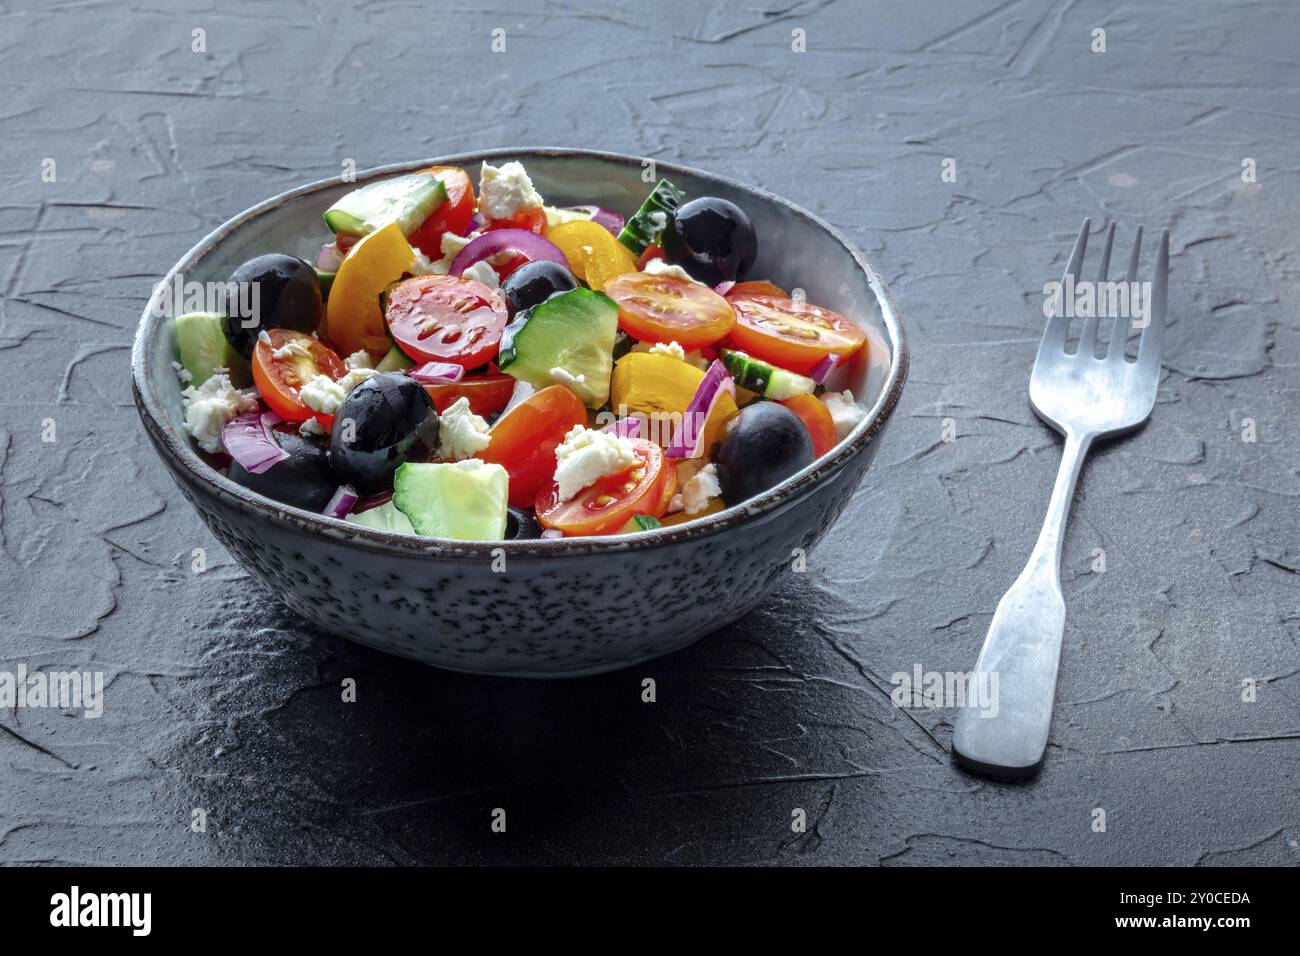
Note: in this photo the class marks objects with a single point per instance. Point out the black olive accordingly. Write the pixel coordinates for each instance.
(762, 445)
(376, 429)
(273, 291)
(534, 283)
(521, 524)
(303, 480)
(710, 238)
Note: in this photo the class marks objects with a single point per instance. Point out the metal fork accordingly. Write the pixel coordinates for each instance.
(1084, 398)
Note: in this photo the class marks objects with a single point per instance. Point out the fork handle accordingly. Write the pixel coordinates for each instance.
(1002, 729)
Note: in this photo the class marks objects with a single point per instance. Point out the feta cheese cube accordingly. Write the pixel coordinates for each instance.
(483, 272)
(702, 486)
(461, 433)
(506, 191)
(845, 412)
(586, 455)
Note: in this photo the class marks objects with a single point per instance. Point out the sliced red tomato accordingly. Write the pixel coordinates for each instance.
(791, 334)
(816, 417)
(487, 394)
(669, 309)
(279, 380)
(761, 287)
(534, 220)
(611, 502)
(446, 319)
(523, 440)
(452, 216)
(651, 252)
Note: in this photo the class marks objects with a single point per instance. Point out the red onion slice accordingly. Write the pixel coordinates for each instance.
(722, 288)
(688, 440)
(329, 258)
(552, 533)
(822, 370)
(341, 505)
(601, 217)
(624, 428)
(437, 373)
(518, 241)
(248, 440)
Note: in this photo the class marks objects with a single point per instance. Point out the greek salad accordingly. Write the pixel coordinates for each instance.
(476, 364)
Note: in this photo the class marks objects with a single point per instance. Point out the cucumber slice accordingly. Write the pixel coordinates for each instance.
(204, 348)
(407, 200)
(385, 518)
(571, 333)
(464, 500)
(769, 381)
(394, 361)
(644, 228)
(326, 280)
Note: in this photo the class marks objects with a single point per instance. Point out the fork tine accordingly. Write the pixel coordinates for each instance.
(1057, 325)
(1153, 335)
(1119, 334)
(1088, 337)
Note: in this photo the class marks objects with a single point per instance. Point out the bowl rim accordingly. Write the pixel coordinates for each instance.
(179, 454)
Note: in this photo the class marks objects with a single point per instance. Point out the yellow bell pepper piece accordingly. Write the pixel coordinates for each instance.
(353, 320)
(660, 387)
(594, 254)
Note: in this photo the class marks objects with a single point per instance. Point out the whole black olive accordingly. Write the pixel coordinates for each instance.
(303, 480)
(535, 282)
(376, 428)
(710, 238)
(762, 445)
(521, 524)
(273, 291)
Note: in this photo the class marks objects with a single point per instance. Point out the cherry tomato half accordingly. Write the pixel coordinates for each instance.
(651, 252)
(446, 319)
(669, 309)
(523, 440)
(760, 287)
(791, 334)
(816, 417)
(612, 501)
(534, 220)
(487, 394)
(279, 380)
(452, 216)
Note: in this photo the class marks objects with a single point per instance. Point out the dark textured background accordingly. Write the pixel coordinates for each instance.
(219, 699)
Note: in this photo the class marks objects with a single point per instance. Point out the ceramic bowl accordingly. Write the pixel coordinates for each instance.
(539, 608)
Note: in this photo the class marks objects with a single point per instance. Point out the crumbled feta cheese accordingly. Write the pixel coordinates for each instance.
(322, 394)
(263, 336)
(657, 267)
(182, 372)
(311, 427)
(658, 221)
(461, 433)
(452, 244)
(845, 412)
(210, 406)
(289, 349)
(505, 191)
(702, 486)
(586, 455)
(424, 266)
(355, 377)
(359, 359)
(483, 272)
(563, 376)
(668, 348)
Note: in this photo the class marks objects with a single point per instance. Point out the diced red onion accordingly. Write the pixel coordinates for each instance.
(344, 500)
(518, 241)
(552, 533)
(248, 440)
(722, 288)
(601, 217)
(437, 373)
(822, 370)
(329, 258)
(689, 437)
(624, 428)
(477, 222)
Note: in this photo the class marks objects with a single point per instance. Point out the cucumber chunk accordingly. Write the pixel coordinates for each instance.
(384, 518)
(566, 340)
(326, 280)
(394, 361)
(407, 200)
(764, 379)
(463, 500)
(644, 228)
(204, 348)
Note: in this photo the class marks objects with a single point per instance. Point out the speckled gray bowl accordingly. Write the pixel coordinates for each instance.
(552, 608)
